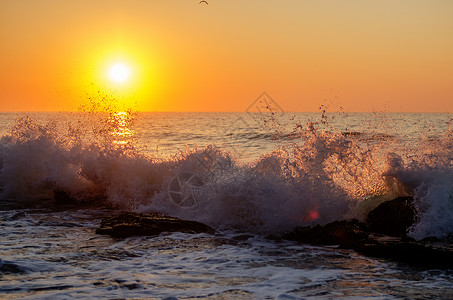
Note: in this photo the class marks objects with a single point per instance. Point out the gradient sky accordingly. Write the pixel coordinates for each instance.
(360, 55)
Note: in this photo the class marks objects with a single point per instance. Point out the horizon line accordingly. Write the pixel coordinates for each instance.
(247, 112)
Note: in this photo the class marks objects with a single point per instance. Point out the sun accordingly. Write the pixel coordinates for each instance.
(119, 73)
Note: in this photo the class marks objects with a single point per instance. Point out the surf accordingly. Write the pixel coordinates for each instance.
(315, 173)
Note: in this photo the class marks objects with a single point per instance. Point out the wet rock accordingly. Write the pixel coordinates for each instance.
(135, 224)
(9, 268)
(431, 239)
(421, 253)
(354, 235)
(343, 233)
(392, 217)
(63, 197)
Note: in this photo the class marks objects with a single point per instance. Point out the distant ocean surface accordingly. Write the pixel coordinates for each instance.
(247, 175)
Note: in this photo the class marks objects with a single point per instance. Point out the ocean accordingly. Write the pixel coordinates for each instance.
(251, 176)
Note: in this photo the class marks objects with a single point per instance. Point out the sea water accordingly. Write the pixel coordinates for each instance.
(251, 176)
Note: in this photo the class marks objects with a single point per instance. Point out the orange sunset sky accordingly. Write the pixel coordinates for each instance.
(180, 55)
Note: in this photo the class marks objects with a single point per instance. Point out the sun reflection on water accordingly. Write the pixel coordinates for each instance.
(121, 127)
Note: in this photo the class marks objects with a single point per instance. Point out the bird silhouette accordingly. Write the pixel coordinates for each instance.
(204, 1)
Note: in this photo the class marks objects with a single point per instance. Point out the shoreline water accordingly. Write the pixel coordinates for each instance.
(59, 256)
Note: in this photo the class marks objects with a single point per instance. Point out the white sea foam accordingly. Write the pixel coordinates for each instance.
(318, 176)
(311, 175)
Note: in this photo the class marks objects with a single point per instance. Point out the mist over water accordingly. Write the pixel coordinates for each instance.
(256, 172)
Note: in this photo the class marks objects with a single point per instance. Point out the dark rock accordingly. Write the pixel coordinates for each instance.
(135, 224)
(343, 233)
(392, 217)
(416, 253)
(407, 239)
(430, 252)
(8, 268)
(448, 239)
(62, 197)
(431, 239)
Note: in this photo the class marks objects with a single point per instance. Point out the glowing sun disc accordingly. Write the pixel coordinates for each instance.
(119, 73)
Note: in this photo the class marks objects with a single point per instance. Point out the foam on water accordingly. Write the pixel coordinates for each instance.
(315, 174)
(308, 173)
(58, 256)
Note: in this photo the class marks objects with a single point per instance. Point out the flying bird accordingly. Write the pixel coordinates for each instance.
(204, 1)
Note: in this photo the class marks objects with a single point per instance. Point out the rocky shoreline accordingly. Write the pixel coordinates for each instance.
(135, 224)
(382, 235)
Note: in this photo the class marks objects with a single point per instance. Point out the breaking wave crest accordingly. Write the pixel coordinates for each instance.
(316, 177)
